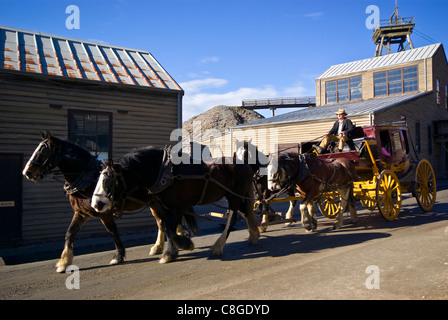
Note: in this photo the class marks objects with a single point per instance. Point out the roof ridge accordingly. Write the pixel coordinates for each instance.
(396, 58)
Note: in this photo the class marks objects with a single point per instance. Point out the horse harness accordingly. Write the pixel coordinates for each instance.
(304, 172)
(164, 180)
(85, 179)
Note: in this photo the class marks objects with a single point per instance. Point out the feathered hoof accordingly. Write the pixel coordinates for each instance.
(116, 261)
(167, 257)
(216, 252)
(60, 269)
(156, 249)
(336, 226)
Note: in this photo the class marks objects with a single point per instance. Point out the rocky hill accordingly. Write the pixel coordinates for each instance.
(219, 119)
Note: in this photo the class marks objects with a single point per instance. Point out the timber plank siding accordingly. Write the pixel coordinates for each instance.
(25, 111)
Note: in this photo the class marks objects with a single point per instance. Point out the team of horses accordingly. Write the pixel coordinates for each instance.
(146, 177)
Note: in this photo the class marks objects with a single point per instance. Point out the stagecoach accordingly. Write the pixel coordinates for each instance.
(387, 166)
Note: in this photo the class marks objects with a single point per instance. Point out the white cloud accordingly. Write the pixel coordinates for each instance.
(196, 103)
(298, 90)
(204, 94)
(313, 15)
(207, 60)
(195, 86)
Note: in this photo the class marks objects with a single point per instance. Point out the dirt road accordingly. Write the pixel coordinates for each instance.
(403, 259)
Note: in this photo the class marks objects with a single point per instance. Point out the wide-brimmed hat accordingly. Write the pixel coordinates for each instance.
(341, 111)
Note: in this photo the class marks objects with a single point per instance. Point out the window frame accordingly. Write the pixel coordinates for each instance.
(336, 94)
(386, 84)
(70, 116)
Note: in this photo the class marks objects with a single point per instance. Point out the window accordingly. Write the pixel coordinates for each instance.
(343, 90)
(446, 96)
(395, 81)
(380, 82)
(330, 91)
(438, 91)
(92, 131)
(355, 88)
(410, 79)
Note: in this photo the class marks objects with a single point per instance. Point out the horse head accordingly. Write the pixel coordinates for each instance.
(44, 159)
(281, 171)
(106, 187)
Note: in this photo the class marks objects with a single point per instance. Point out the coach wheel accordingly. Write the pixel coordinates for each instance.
(369, 204)
(425, 188)
(330, 204)
(388, 195)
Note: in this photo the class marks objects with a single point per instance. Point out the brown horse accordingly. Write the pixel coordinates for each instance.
(312, 177)
(175, 188)
(81, 171)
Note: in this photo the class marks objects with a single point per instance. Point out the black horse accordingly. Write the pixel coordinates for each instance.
(175, 188)
(81, 171)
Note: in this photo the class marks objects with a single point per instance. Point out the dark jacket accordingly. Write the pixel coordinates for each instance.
(347, 127)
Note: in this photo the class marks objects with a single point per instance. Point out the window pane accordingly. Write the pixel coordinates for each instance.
(395, 75)
(355, 88)
(410, 73)
(342, 95)
(380, 84)
(90, 130)
(410, 79)
(331, 97)
(395, 87)
(410, 85)
(343, 84)
(330, 91)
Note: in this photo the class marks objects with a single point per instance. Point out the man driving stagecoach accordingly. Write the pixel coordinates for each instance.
(341, 132)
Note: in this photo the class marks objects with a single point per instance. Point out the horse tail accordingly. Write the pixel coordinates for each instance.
(191, 221)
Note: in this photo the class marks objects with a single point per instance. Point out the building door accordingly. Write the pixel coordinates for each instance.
(10, 197)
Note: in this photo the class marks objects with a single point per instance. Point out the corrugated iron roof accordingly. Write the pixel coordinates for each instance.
(381, 61)
(29, 51)
(356, 108)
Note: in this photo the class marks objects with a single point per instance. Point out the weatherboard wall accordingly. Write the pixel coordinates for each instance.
(25, 111)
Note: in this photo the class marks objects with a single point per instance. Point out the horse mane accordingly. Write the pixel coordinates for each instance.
(72, 151)
(139, 157)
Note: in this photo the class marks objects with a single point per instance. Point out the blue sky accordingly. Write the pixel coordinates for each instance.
(223, 51)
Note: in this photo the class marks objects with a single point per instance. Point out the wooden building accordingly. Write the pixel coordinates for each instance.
(105, 98)
(409, 86)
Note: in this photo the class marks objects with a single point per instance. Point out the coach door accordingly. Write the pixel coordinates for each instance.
(10, 197)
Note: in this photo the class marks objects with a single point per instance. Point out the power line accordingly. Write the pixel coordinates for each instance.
(424, 36)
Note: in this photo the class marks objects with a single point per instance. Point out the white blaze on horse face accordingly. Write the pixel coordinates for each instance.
(100, 202)
(272, 170)
(240, 155)
(27, 172)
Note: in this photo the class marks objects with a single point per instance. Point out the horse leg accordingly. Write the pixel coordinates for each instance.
(252, 225)
(108, 221)
(157, 248)
(312, 215)
(66, 259)
(304, 217)
(289, 213)
(175, 241)
(352, 206)
(218, 246)
(345, 193)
